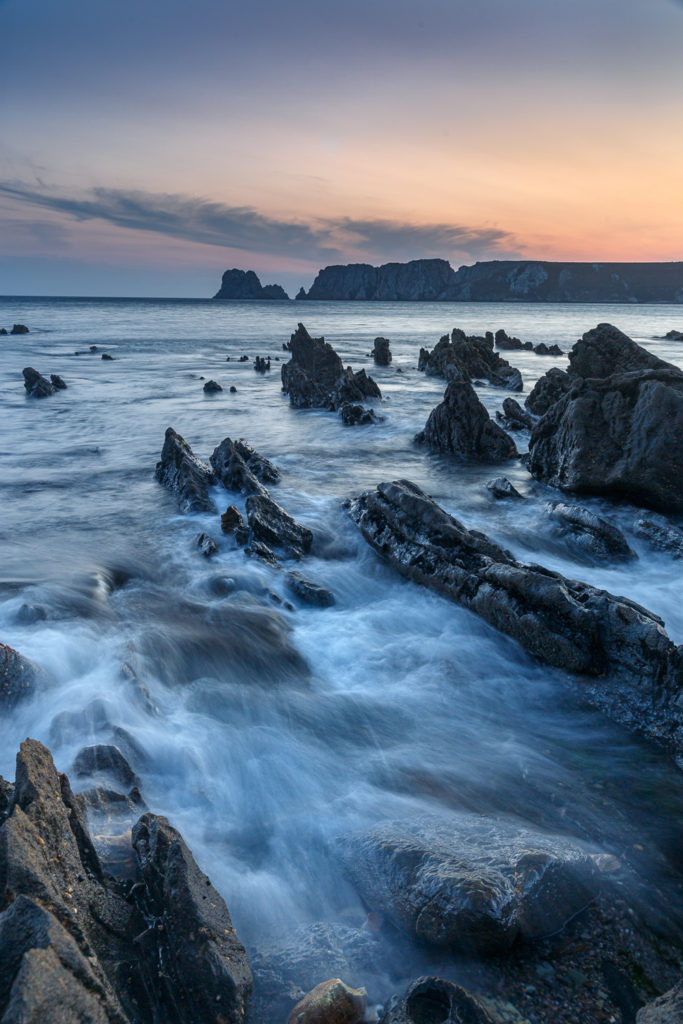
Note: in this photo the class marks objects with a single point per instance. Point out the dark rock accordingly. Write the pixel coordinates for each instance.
(618, 437)
(261, 365)
(244, 359)
(432, 1000)
(57, 382)
(257, 549)
(183, 473)
(461, 424)
(463, 358)
(270, 524)
(19, 677)
(105, 759)
(548, 350)
(548, 390)
(3, 330)
(668, 1009)
(244, 284)
(211, 387)
(502, 488)
(468, 882)
(513, 416)
(592, 534)
(240, 468)
(419, 280)
(106, 356)
(353, 415)
(94, 348)
(330, 1002)
(381, 352)
(673, 336)
(354, 387)
(605, 350)
(562, 622)
(660, 534)
(36, 385)
(233, 389)
(315, 376)
(19, 329)
(308, 592)
(232, 522)
(206, 544)
(504, 341)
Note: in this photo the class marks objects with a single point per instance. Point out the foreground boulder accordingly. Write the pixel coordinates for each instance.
(36, 385)
(466, 358)
(330, 1002)
(562, 622)
(315, 378)
(461, 424)
(19, 677)
(182, 472)
(76, 945)
(468, 882)
(618, 437)
(432, 1000)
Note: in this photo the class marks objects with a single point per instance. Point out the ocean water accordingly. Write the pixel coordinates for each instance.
(265, 729)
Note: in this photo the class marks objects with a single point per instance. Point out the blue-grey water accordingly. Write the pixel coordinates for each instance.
(265, 731)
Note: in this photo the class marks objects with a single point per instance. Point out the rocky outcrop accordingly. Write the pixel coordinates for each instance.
(673, 336)
(591, 534)
(548, 390)
(461, 425)
(182, 472)
(240, 468)
(315, 378)
(57, 382)
(270, 524)
(75, 944)
(330, 1002)
(36, 385)
(513, 416)
(19, 329)
(244, 284)
(500, 281)
(510, 344)
(354, 387)
(606, 350)
(562, 622)
(463, 357)
(309, 592)
(431, 1000)
(19, 677)
(618, 437)
(468, 882)
(353, 415)
(212, 387)
(381, 353)
(548, 350)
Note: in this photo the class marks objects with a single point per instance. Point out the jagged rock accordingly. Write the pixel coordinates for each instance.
(673, 336)
(308, 592)
(668, 1009)
(257, 549)
(513, 416)
(207, 545)
(461, 424)
(105, 759)
(57, 382)
(661, 535)
(606, 350)
(3, 331)
(464, 358)
(353, 415)
(233, 522)
(183, 473)
(19, 329)
(502, 488)
(548, 350)
(36, 385)
(548, 390)
(315, 376)
(107, 357)
(244, 284)
(244, 359)
(504, 341)
(211, 387)
(19, 677)
(431, 1000)
(261, 365)
(330, 1002)
(354, 387)
(468, 882)
(270, 524)
(240, 468)
(562, 622)
(592, 534)
(381, 353)
(618, 437)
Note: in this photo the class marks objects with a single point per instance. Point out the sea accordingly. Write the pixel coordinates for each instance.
(263, 728)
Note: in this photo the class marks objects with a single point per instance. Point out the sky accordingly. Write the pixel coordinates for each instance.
(148, 145)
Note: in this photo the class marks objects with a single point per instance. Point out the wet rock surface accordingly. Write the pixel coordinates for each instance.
(330, 1002)
(591, 534)
(547, 390)
(240, 468)
(315, 378)
(431, 1000)
(501, 488)
(354, 415)
(77, 945)
(563, 622)
(513, 416)
(509, 343)
(212, 386)
(57, 382)
(606, 350)
(19, 677)
(36, 385)
(466, 358)
(660, 534)
(184, 474)
(270, 524)
(308, 591)
(461, 425)
(381, 351)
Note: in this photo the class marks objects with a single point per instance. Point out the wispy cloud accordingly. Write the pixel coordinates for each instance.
(242, 227)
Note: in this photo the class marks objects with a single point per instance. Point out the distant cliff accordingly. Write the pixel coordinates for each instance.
(500, 281)
(244, 284)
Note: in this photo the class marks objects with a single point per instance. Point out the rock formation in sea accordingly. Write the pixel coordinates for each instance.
(461, 425)
(434, 280)
(459, 356)
(244, 284)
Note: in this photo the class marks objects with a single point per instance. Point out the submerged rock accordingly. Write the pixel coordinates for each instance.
(57, 382)
(468, 882)
(330, 1002)
(562, 622)
(36, 385)
(381, 353)
(207, 545)
(309, 592)
(461, 424)
(105, 759)
(431, 1000)
(466, 358)
(182, 472)
(19, 677)
(502, 488)
(660, 534)
(592, 534)
(270, 524)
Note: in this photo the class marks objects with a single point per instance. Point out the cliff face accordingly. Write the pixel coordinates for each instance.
(244, 284)
(501, 281)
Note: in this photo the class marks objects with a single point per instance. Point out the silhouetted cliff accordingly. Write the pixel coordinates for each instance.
(501, 281)
(244, 284)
